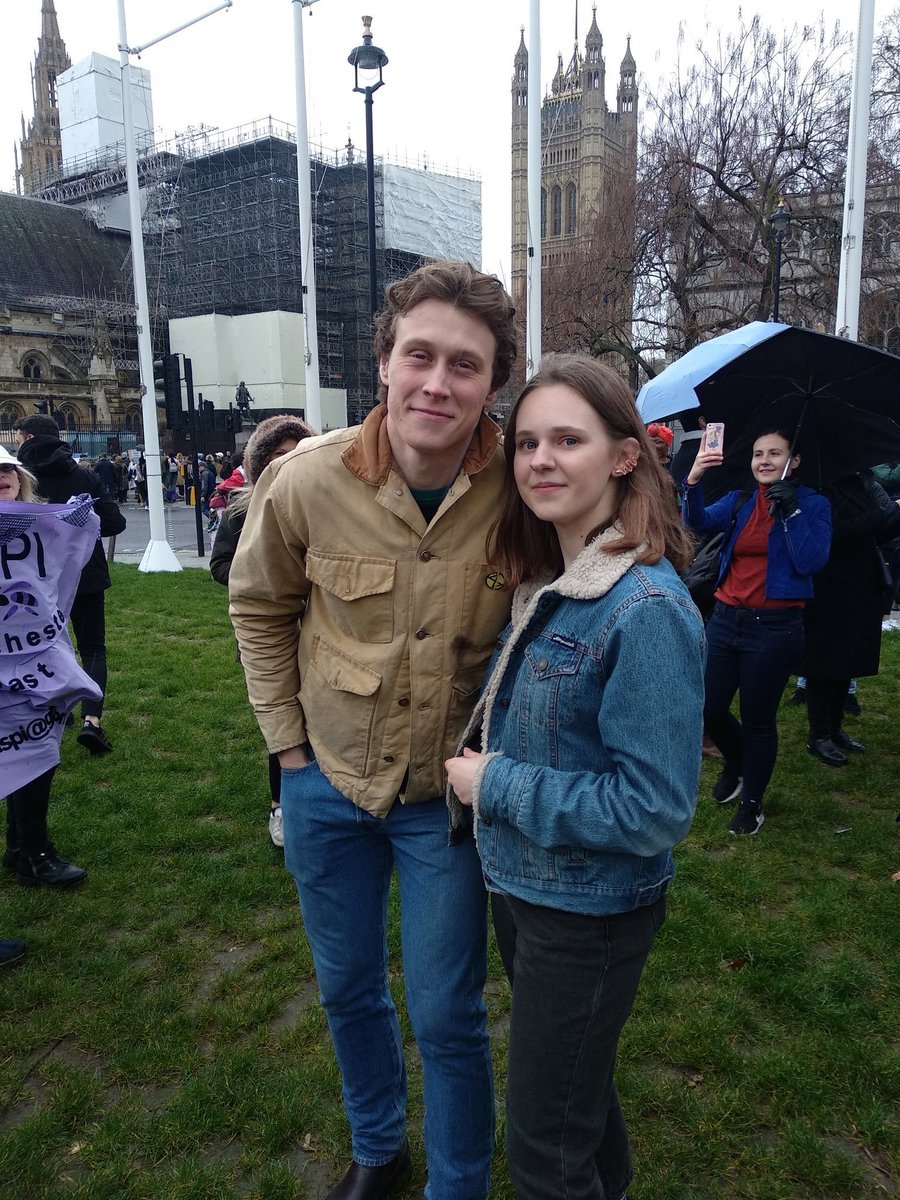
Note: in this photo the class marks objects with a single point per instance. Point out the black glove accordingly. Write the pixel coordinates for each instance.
(782, 497)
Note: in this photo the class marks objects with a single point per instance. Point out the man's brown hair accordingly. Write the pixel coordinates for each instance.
(459, 284)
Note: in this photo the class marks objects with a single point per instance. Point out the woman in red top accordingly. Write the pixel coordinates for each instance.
(776, 539)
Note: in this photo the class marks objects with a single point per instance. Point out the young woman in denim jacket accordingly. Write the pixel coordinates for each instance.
(590, 725)
(776, 539)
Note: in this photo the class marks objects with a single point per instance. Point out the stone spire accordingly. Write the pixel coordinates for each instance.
(627, 93)
(41, 148)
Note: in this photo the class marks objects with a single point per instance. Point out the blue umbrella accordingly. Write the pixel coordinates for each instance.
(672, 391)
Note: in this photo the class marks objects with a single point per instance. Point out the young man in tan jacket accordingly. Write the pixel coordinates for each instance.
(366, 611)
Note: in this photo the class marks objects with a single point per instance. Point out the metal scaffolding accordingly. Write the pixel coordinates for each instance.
(221, 232)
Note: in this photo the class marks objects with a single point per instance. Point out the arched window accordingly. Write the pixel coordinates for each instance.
(67, 417)
(571, 210)
(543, 213)
(32, 368)
(133, 420)
(556, 212)
(9, 414)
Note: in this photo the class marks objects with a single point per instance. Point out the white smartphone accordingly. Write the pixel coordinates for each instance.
(715, 436)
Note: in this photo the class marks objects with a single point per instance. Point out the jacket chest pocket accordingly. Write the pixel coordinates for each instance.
(552, 658)
(549, 676)
(357, 593)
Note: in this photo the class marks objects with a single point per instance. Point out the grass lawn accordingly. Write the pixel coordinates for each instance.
(164, 1041)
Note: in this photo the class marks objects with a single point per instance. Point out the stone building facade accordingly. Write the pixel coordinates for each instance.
(68, 342)
(584, 146)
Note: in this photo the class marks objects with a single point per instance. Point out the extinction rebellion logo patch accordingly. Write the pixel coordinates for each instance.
(494, 581)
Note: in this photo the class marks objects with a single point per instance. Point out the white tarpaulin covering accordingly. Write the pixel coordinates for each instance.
(438, 216)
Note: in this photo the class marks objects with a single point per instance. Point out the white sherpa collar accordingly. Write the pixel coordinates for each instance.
(593, 573)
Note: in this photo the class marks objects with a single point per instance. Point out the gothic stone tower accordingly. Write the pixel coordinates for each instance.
(41, 145)
(582, 144)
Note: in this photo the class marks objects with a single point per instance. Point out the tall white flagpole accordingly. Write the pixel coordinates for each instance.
(847, 317)
(533, 251)
(159, 555)
(307, 252)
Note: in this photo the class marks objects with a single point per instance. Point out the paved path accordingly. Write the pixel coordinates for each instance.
(181, 534)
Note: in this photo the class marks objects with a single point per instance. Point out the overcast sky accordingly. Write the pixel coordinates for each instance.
(447, 85)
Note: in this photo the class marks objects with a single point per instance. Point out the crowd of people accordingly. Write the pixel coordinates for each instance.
(451, 643)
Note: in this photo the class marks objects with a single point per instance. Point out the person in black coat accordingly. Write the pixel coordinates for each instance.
(106, 474)
(59, 478)
(843, 621)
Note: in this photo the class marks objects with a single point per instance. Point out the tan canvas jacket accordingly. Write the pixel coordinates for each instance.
(362, 630)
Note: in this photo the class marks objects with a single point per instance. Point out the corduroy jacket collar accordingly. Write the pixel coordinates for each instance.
(370, 459)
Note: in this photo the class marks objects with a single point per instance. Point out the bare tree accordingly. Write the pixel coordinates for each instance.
(758, 115)
(686, 250)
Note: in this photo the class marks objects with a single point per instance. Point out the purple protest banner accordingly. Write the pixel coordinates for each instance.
(43, 548)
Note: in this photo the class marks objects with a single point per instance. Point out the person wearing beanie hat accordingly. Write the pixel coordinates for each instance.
(272, 438)
(264, 443)
(662, 438)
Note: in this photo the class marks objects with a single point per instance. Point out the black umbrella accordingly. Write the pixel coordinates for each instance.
(837, 400)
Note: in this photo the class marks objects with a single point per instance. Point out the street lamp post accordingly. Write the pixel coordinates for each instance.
(780, 220)
(367, 62)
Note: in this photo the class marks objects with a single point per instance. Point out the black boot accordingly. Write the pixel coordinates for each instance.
(48, 869)
(373, 1183)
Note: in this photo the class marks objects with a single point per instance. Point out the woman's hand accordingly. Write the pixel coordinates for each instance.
(704, 460)
(461, 773)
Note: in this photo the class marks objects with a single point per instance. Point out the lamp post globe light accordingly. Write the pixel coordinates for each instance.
(780, 220)
(368, 62)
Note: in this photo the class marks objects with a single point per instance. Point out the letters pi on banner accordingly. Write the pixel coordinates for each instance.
(43, 548)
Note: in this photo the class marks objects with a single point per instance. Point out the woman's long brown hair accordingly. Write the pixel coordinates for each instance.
(521, 545)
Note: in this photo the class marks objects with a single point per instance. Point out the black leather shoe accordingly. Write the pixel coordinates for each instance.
(845, 742)
(372, 1183)
(827, 752)
(48, 870)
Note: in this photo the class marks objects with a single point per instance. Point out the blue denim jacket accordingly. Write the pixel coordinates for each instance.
(798, 546)
(592, 728)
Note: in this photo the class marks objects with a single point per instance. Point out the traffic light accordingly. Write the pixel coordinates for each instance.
(167, 379)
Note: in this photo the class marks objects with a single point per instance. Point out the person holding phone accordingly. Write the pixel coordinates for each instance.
(777, 538)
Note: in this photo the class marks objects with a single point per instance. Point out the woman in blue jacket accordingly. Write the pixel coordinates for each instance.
(777, 537)
(590, 727)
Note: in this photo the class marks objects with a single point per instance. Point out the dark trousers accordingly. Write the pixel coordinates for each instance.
(825, 706)
(574, 980)
(26, 815)
(752, 651)
(274, 780)
(89, 627)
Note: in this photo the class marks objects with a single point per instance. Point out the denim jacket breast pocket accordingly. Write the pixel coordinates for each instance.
(545, 695)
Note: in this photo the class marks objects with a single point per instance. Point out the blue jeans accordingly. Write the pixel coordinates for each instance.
(574, 979)
(342, 859)
(752, 651)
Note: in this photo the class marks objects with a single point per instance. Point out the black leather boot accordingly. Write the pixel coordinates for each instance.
(372, 1183)
(827, 752)
(48, 869)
